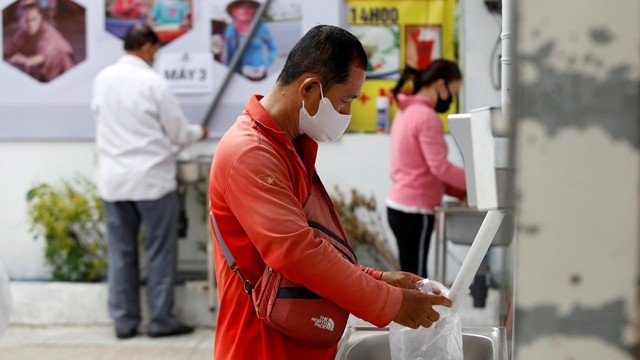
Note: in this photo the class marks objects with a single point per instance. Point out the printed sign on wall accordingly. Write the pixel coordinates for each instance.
(265, 53)
(86, 36)
(396, 34)
(187, 73)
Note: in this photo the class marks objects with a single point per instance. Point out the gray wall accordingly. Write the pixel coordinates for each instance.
(578, 180)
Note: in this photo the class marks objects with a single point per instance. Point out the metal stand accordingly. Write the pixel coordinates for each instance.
(459, 224)
(441, 245)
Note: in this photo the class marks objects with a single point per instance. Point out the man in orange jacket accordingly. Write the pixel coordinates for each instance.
(260, 178)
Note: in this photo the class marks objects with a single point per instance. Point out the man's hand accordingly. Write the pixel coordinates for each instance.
(205, 132)
(18, 59)
(401, 279)
(35, 60)
(417, 308)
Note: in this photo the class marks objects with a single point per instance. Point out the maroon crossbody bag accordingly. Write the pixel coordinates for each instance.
(289, 307)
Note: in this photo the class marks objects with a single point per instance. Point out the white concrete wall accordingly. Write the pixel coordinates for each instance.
(31, 163)
(358, 161)
(577, 180)
(85, 304)
(26, 164)
(479, 31)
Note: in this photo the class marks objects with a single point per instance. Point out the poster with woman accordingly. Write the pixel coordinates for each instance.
(266, 51)
(169, 18)
(44, 38)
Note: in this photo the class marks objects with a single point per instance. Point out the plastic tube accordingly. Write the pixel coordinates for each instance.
(506, 37)
(483, 239)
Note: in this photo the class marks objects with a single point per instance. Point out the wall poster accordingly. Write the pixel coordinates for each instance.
(268, 49)
(265, 53)
(43, 38)
(47, 97)
(395, 34)
(170, 19)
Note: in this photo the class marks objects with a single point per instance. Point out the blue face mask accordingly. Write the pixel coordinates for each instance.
(442, 105)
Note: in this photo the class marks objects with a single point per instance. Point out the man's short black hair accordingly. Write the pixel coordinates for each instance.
(138, 35)
(327, 51)
(29, 6)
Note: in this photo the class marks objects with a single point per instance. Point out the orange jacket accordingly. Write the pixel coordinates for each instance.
(257, 185)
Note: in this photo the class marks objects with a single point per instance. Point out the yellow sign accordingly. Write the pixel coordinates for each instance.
(395, 34)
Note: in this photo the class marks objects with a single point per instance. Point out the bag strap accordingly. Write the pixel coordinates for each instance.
(338, 243)
(344, 248)
(248, 287)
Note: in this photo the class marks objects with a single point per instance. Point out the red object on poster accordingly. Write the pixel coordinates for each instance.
(166, 36)
(127, 9)
(423, 48)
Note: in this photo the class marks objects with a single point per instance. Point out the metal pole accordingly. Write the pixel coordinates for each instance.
(506, 60)
(235, 60)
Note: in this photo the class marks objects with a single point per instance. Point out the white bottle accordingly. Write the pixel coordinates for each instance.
(382, 112)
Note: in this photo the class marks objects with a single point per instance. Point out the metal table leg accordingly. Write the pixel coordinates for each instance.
(441, 245)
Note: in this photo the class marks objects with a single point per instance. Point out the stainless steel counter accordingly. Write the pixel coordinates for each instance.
(372, 343)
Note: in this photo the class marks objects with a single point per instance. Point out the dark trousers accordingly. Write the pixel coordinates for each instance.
(413, 235)
(159, 218)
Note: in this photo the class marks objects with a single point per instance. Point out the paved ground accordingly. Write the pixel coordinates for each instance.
(100, 343)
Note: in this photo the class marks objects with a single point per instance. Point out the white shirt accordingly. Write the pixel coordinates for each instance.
(138, 123)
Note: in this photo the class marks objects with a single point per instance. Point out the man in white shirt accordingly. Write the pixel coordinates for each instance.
(138, 124)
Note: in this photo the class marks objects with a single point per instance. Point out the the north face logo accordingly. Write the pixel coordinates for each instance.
(323, 322)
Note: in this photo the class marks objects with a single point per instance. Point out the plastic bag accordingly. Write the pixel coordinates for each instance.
(5, 300)
(441, 341)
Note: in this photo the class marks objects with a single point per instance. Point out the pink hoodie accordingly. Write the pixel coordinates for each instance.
(420, 171)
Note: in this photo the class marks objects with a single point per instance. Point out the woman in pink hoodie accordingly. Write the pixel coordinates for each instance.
(420, 171)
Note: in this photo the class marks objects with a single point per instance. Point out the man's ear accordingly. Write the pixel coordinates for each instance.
(145, 46)
(309, 87)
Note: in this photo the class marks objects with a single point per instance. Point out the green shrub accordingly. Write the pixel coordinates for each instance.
(71, 219)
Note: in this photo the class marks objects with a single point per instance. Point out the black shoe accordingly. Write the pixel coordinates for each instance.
(180, 330)
(126, 334)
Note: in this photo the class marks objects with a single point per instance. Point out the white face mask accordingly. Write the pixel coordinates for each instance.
(327, 124)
